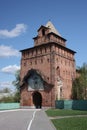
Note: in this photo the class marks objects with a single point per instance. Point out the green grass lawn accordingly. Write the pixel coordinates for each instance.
(62, 112)
(73, 123)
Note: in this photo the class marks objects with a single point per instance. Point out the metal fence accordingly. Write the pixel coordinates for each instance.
(71, 104)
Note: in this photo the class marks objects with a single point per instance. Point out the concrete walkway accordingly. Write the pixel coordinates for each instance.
(42, 122)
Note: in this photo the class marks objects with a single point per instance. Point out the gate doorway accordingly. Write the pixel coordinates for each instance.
(37, 99)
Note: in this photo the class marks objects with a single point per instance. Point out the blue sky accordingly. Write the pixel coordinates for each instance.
(20, 19)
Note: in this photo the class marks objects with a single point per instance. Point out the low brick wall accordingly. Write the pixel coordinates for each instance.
(7, 106)
(71, 104)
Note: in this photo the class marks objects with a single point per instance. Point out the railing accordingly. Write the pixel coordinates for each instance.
(71, 104)
(7, 106)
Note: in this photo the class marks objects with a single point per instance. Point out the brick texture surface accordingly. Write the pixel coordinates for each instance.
(55, 64)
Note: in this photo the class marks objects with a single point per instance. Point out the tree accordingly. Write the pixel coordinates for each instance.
(79, 88)
(5, 90)
(83, 79)
(7, 99)
(16, 83)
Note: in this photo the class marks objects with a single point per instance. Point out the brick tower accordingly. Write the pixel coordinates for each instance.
(47, 69)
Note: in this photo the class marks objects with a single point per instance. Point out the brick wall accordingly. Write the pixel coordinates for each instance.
(53, 60)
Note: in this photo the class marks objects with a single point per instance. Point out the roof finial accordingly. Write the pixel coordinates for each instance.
(52, 28)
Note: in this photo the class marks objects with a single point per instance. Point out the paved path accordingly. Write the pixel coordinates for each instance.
(15, 120)
(41, 122)
(25, 119)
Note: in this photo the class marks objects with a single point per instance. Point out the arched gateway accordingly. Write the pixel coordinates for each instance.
(37, 99)
(36, 91)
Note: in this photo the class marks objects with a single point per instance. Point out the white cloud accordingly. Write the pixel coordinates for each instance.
(11, 69)
(7, 51)
(20, 28)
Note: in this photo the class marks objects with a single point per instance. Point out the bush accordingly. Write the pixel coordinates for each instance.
(8, 99)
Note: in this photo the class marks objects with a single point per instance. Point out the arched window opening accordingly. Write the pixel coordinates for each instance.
(43, 32)
(58, 70)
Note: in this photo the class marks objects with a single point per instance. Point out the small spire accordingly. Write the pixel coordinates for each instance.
(52, 28)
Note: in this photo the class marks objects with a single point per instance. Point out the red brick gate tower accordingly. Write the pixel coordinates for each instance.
(47, 69)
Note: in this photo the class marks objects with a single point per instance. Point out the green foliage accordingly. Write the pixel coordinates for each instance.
(62, 112)
(8, 99)
(74, 123)
(68, 123)
(17, 97)
(79, 88)
(16, 83)
(11, 98)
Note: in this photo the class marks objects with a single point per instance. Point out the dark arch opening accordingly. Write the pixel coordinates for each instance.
(37, 99)
(58, 70)
(43, 32)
